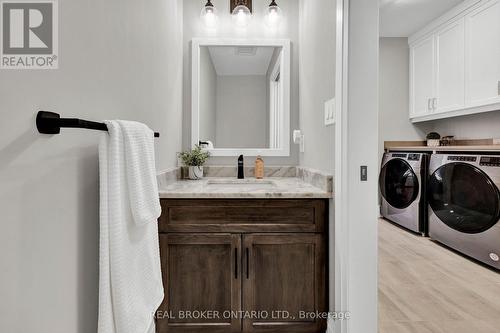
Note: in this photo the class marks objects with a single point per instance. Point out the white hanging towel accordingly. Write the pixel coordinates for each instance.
(130, 283)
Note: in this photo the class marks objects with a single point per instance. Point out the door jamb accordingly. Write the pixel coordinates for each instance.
(341, 228)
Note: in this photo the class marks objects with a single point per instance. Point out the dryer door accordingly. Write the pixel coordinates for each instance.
(463, 197)
(398, 183)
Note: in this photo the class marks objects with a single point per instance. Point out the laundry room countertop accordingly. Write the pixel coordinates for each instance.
(482, 148)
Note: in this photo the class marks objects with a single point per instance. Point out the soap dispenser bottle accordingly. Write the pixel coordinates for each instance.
(259, 167)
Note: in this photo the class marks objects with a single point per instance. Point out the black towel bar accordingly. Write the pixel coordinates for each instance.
(51, 123)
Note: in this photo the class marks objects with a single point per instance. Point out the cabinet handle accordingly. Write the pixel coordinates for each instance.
(428, 104)
(247, 262)
(236, 263)
(434, 103)
(498, 88)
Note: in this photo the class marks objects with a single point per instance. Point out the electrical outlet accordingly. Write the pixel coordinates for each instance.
(330, 112)
(297, 136)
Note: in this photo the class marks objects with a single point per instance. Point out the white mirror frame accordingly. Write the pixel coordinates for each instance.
(284, 150)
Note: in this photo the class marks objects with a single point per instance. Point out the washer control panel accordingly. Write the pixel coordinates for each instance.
(413, 157)
(462, 158)
(399, 155)
(493, 161)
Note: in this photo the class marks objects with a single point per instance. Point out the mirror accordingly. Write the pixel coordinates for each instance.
(241, 97)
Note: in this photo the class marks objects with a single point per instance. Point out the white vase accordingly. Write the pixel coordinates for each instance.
(433, 142)
(195, 172)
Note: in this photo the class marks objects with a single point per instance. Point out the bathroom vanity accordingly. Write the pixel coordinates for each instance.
(243, 256)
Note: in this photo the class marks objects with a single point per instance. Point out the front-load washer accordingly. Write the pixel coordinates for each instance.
(464, 204)
(402, 184)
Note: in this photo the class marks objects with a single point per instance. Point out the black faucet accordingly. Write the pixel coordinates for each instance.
(241, 173)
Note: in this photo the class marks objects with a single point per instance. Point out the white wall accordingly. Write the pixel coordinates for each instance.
(394, 124)
(317, 81)
(317, 57)
(478, 126)
(241, 111)
(208, 97)
(193, 27)
(118, 59)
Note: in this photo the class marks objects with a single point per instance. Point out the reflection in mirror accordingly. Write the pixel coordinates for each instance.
(240, 96)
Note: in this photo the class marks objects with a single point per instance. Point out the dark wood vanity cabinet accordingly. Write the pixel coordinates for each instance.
(252, 266)
(200, 274)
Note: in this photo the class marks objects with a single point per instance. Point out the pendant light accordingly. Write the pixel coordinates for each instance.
(209, 15)
(273, 15)
(241, 15)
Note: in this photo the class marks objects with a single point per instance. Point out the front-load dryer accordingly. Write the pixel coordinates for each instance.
(402, 184)
(464, 204)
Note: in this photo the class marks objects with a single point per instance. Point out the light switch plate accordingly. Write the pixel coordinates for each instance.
(330, 112)
(363, 173)
(298, 138)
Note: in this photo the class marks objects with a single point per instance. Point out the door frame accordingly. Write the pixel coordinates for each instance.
(356, 136)
(340, 251)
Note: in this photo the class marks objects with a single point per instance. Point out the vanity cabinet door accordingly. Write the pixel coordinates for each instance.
(202, 283)
(283, 272)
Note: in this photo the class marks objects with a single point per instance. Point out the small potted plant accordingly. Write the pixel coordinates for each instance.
(194, 160)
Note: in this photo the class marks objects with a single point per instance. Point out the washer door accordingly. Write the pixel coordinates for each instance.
(464, 198)
(398, 183)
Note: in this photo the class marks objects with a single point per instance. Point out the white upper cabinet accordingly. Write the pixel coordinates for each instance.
(483, 55)
(455, 63)
(450, 67)
(422, 71)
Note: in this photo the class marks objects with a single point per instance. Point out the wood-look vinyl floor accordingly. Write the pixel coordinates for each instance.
(427, 288)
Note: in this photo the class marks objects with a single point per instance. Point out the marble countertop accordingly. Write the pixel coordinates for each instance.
(232, 188)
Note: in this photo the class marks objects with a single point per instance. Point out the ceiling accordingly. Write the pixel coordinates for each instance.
(402, 18)
(235, 60)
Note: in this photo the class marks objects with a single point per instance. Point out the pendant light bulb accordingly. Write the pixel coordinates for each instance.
(273, 15)
(209, 15)
(241, 16)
